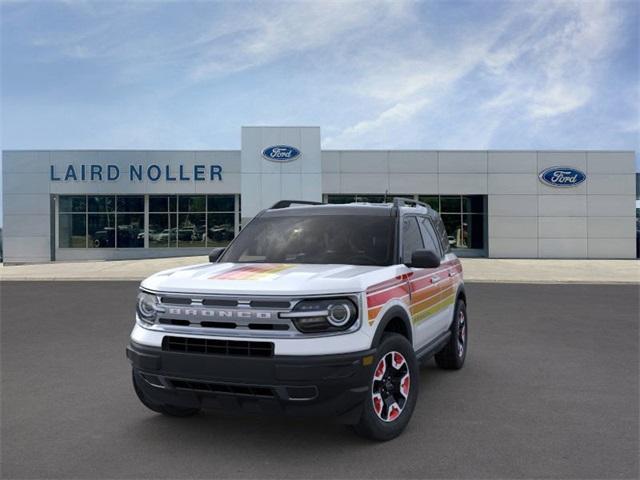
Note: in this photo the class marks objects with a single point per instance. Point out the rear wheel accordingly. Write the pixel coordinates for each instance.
(165, 409)
(393, 390)
(452, 356)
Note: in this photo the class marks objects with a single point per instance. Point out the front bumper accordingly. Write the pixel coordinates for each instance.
(319, 385)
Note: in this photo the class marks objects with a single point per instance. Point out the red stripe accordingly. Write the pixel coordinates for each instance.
(378, 299)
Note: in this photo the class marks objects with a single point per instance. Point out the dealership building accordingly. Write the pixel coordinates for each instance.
(122, 204)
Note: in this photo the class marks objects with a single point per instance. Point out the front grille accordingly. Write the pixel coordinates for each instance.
(248, 390)
(278, 304)
(217, 347)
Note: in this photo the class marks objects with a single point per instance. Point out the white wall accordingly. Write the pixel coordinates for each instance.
(530, 219)
(265, 182)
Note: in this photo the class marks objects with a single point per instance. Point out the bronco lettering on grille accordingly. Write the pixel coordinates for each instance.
(210, 313)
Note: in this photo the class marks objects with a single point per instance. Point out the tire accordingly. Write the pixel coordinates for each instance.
(384, 418)
(453, 354)
(165, 409)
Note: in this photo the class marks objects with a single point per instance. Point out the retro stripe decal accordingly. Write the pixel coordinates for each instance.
(416, 291)
(266, 271)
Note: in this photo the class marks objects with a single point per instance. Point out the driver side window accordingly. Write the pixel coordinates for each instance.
(411, 238)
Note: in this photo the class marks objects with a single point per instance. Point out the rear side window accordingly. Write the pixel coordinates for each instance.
(442, 234)
(431, 240)
(411, 238)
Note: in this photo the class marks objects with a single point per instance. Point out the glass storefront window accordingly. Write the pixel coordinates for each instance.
(101, 203)
(220, 203)
(219, 229)
(130, 230)
(371, 198)
(192, 203)
(159, 232)
(365, 198)
(341, 198)
(131, 203)
(451, 204)
(201, 220)
(191, 230)
(158, 203)
(73, 230)
(453, 225)
(101, 230)
(432, 201)
(473, 228)
(473, 204)
(73, 203)
(101, 221)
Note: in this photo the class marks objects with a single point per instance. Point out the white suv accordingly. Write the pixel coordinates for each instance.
(313, 309)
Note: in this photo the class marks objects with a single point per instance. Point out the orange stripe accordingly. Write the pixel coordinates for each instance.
(426, 297)
(373, 312)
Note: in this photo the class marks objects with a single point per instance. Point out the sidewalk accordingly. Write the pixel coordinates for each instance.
(475, 270)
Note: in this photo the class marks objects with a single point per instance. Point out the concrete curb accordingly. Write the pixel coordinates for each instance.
(476, 270)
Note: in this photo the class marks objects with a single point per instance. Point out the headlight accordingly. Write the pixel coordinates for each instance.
(323, 315)
(146, 307)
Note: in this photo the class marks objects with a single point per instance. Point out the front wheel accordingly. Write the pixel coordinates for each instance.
(393, 390)
(452, 356)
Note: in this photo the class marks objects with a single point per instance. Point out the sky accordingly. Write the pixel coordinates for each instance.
(373, 74)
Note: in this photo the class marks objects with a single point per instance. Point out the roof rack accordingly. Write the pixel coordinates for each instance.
(288, 203)
(404, 202)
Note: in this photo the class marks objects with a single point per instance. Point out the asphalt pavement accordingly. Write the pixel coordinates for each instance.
(549, 390)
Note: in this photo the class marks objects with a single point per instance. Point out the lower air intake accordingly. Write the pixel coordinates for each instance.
(217, 347)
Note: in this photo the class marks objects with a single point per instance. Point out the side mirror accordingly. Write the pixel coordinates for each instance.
(424, 259)
(215, 254)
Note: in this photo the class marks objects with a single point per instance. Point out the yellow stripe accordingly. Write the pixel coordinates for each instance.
(444, 290)
(267, 273)
(442, 304)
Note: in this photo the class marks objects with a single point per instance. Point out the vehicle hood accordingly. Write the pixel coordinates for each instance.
(263, 279)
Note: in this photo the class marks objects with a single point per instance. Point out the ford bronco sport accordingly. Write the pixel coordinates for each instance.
(313, 309)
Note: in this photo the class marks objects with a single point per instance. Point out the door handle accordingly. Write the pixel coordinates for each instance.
(435, 279)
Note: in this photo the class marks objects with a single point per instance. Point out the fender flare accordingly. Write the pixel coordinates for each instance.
(461, 294)
(394, 312)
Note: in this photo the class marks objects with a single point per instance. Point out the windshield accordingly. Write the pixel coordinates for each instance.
(344, 239)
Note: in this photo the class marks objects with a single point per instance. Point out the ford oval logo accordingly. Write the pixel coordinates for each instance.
(281, 153)
(562, 177)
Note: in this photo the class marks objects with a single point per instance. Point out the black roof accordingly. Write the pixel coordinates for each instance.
(383, 210)
(288, 208)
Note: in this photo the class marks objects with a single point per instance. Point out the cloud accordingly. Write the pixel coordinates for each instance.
(538, 60)
(229, 38)
(395, 74)
(550, 69)
(259, 37)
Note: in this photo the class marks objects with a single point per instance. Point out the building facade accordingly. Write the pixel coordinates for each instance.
(111, 204)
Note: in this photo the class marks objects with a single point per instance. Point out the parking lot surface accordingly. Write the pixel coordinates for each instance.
(549, 390)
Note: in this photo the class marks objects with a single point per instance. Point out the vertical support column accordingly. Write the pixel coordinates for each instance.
(146, 221)
(53, 222)
(236, 214)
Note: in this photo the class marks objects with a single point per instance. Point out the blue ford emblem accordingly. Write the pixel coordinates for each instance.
(562, 177)
(281, 153)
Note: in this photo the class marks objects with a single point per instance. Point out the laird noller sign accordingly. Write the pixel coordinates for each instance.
(135, 173)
